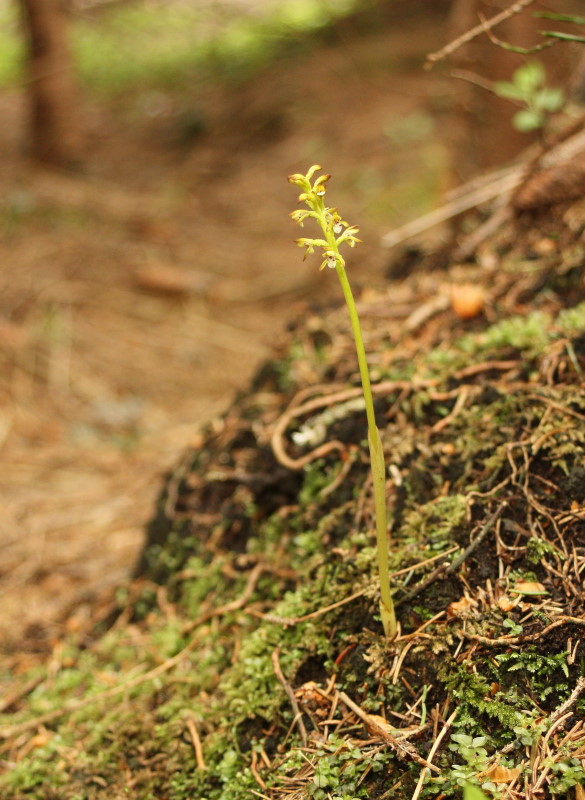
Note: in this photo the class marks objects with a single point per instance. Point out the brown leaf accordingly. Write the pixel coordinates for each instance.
(506, 603)
(499, 774)
(461, 608)
(529, 588)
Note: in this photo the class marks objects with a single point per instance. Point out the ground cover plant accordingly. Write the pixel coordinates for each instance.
(249, 659)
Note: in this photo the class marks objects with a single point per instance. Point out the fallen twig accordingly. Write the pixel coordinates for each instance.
(290, 694)
(295, 620)
(76, 705)
(296, 410)
(375, 725)
(13, 697)
(530, 637)
(234, 605)
(432, 752)
(418, 588)
(502, 184)
(483, 27)
(194, 733)
(570, 701)
(486, 528)
(459, 405)
(448, 569)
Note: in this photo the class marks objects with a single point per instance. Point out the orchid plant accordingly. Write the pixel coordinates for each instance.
(336, 232)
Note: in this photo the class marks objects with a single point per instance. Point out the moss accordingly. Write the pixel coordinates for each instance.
(511, 453)
(437, 522)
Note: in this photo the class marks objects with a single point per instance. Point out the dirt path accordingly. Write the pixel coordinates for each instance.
(136, 299)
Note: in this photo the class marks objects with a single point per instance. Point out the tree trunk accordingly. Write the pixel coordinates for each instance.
(55, 133)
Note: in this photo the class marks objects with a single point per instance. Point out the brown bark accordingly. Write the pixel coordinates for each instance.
(55, 131)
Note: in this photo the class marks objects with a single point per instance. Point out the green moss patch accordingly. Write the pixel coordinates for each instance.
(247, 659)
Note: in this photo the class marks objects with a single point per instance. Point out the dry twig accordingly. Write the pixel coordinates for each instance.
(295, 620)
(447, 569)
(77, 704)
(500, 185)
(236, 604)
(290, 694)
(194, 733)
(529, 637)
(483, 27)
(374, 724)
(433, 750)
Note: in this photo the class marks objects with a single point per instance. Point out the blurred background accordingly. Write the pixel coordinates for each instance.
(147, 264)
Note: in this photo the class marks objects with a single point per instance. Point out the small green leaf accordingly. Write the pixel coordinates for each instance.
(530, 76)
(471, 792)
(549, 99)
(560, 17)
(566, 37)
(510, 91)
(527, 120)
(514, 628)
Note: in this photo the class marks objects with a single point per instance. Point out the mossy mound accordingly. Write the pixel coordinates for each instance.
(248, 660)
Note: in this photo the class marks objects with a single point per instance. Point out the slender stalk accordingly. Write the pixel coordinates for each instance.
(359, 345)
(376, 461)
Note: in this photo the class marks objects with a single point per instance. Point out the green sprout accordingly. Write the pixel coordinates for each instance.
(336, 232)
(527, 87)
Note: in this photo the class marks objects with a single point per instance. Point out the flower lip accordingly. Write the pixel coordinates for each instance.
(331, 259)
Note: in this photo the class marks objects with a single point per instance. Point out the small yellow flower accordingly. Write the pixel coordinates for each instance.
(331, 259)
(349, 236)
(320, 187)
(311, 244)
(301, 215)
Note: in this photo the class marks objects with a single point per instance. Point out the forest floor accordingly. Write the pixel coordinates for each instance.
(247, 656)
(138, 296)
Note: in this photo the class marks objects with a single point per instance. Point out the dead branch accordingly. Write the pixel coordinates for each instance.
(448, 569)
(194, 733)
(295, 620)
(290, 694)
(379, 727)
(483, 27)
(432, 752)
(530, 637)
(236, 604)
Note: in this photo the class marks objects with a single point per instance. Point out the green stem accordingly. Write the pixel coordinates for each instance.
(359, 345)
(376, 460)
